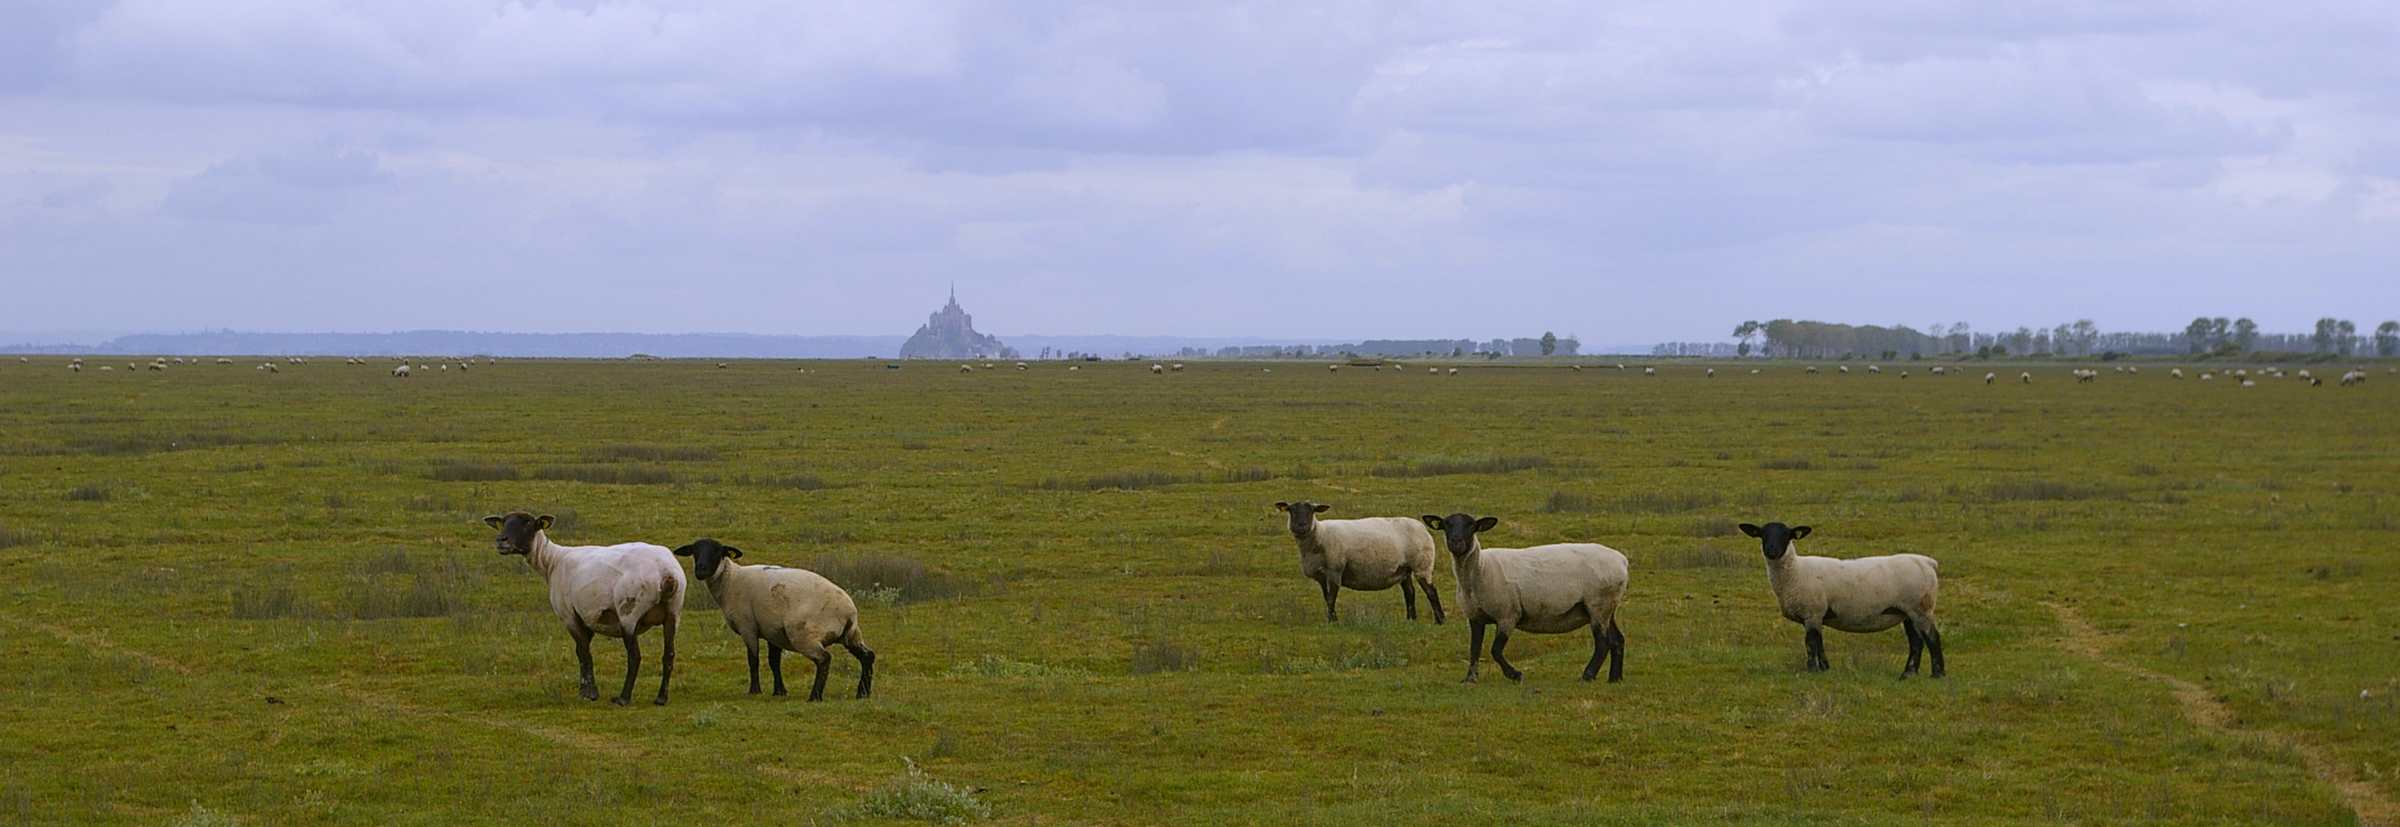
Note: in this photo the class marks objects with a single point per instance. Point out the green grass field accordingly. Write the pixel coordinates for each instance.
(237, 597)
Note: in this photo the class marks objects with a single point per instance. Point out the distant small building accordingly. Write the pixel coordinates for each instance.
(949, 333)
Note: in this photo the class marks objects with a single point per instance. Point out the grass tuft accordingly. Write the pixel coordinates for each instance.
(1786, 464)
(90, 493)
(459, 470)
(1707, 556)
(12, 538)
(914, 797)
(1163, 655)
(1446, 466)
(788, 482)
(2042, 490)
(631, 452)
(606, 474)
(887, 579)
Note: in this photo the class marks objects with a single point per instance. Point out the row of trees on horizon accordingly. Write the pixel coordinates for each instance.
(2206, 335)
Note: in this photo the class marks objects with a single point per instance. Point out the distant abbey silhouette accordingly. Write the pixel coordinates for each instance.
(949, 333)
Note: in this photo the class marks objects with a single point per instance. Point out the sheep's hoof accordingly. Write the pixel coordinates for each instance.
(589, 693)
(661, 701)
(1518, 677)
(780, 693)
(1470, 679)
(620, 700)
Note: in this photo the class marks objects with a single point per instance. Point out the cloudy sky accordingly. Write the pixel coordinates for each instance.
(1628, 171)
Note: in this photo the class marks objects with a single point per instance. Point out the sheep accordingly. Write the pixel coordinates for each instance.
(1454, 371)
(1988, 376)
(1576, 368)
(1620, 365)
(1903, 374)
(619, 591)
(1710, 373)
(2316, 383)
(2175, 372)
(2025, 377)
(1812, 370)
(1754, 371)
(224, 361)
(2085, 377)
(2206, 376)
(1434, 371)
(1333, 368)
(1844, 369)
(794, 610)
(1549, 589)
(1866, 594)
(2354, 377)
(2133, 368)
(1177, 367)
(1020, 366)
(106, 367)
(1074, 368)
(988, 366)
(1369, 554)
(966, 368)
(76, 367)
(1649, 371)
(400, 372)
(1874, 369)
(157, 366)
(2249, 383)
(1153, 368)
(1939, 370)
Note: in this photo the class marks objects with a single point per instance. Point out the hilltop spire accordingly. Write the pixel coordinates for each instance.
(954, 293)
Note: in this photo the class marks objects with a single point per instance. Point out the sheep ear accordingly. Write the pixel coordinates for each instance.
(1283, 506)
(542, 523)
(1324, 508)
(1799, 532)
(684, 551)
(732, 552)
(1749, 529)
(494, 520)
(1486, 524)
(1432, 522)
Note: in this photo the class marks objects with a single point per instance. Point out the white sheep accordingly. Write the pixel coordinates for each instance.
(2175, 372)
(1153, 368)
(1549, 589)
(1939, 370)
(618, 591)
(2025, 377)
(966, 368)
(1369, 554)
(1710, 373)
(2249, 383)
(1453, 371)
(1844, 369)
(794, 610)
(2206, 376)
(1812, 370)
(1874, 369)
(1434, 371)
(1177, 367)
(1867, 594)
(400, 372)
(1020, 366)
(1988, 376)
(1649, 371)
(2354, 377)
(75, 366)
(1073, 368)
(1333, 368)
(2133, 368)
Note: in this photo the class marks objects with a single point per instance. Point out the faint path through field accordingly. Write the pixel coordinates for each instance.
(100, 642)
(2204, 709)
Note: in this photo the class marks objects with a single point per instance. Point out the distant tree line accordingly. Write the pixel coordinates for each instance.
(1788, 338)
(1548, 344)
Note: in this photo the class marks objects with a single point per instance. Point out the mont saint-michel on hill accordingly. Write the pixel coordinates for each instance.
(949, 333)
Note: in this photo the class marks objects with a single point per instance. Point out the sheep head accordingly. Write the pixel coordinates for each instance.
(1458, 530)
(1775, 538)
(706, 555)
(517, 530)
(1304, 515)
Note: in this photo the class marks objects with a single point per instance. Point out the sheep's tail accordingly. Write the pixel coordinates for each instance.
(850, 630)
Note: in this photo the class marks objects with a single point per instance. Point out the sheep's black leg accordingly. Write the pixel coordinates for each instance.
(1816, 651)
(1500, 657)
(775, 665)
(866, 667)
(1616, 641)
(1333, 588)
(666, 662)
(589, 689)
(824, 662)
(633, 667)
(1933, 642)
(752, 645)
(1433, 597)
(1916, 646)
(1408, 595)
(1474, 647)
(1600, 650)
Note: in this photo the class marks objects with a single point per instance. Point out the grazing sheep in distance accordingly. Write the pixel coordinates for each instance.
(1073, 368)
(1177, 367)
(1548, 589)
(1874, 369)
(1866, 594)
(616, 591)
(1021, 366)
(1812, 370)
(1158, 368)
(1710, 373)
(1988, 376)
(1754, 371)
(1333, 368)
(2354, 377)
(1939, 370)
(1368, 554)
(2206, 376)
(400, 372)
(2025, 378)
(2315, 382)
(2133, 368)
(2175, 372)
(75, 366)
(1576, 368)
(1844, 369)
(794, 610)
(1649, 371)
(1434, 371)
(1454, 371)
(966, 368)
(2249, 383)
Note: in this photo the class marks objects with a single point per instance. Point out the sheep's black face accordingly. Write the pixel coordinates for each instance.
(1303, 514)
(1775, 538)
(517, 529)
(1458, 530)
(706, 555)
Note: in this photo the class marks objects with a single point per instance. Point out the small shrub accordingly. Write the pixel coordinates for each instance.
(1707, 556)
(995, 666)
(791, 482)
(1661, 502)
(1567, 502)
(12, 538)
(606, 474)
(391, 561)
(2024, 490)
(868, 576)
(199, 816)
(94, 493)
(266, 599)
(1785, 464)
(1163, 655)
(459, 470)
(336, 500)
(1445, 466)
(915, 797)
(2144, 469)
(1710, 527)
(651, 453)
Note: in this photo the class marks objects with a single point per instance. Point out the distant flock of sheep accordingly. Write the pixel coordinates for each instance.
(624, 590)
